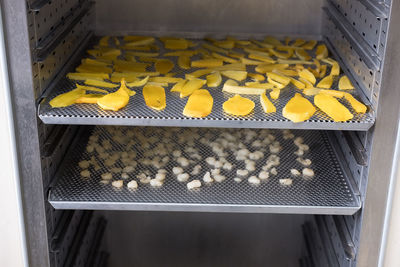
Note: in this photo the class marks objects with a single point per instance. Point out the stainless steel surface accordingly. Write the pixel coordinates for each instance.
(137, 113)
(329, 192)
(251, 16)
(203, 239)
(385, 135)
(326, 241)
(26, 132)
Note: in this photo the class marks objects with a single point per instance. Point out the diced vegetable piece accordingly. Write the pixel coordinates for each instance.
(266, 104)
(322, 51)
(68, 98)
(355, 104)
(191, 86)
(207, 63)
(164, 66)
(345, 84)
(165, 79)
(88, 99)
(214, 79)
(274, 94)
(231, 86)
(178, 86)
(117, 100)
(306, 74)
(332, 107)
(238, 106)
(224, 58)
(256, 77)
(302, 54)
(326, 82)
(264, 68)
(138, 83)
(154, 96)
(199, 104)
(100, 83)
(176, 44)
(298, 109)
(310, 45)
(272, 41)
(86, 76)
(279, 78)
(236, 75)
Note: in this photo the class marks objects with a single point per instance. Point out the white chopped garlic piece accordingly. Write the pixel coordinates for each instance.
(145, 180)
(299, 153)
(298, 140)
(256, 143)
(118, 183)
(304, 162)
(162, 171)
(274, 171)
(274, 149)
(263, 175)
(105, 181)
(84, 164)
(210, 161)
(242, 172)
(124, 175)
(116, 170)
(128, 169)
(250, 167)
(106, 176)
(286, 182)
(156, 183)
(254, 180)
(207, 178)
(89, 149)
(160, 176)
(294, 172)
(219, 178)
(183, 177)
(182, 161)
(304, 147)
(132, 184)
(85, 173)
(308, 172)
(196, 170)
(177, 170)
(227, 166)
(215, 171)
(193, 184)
(237, 179)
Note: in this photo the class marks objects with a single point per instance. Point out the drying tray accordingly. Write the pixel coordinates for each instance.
(329, 192)
(136, 113)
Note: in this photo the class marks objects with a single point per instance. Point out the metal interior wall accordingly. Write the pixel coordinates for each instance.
(202, 239)
(229, 17)
(21, 83)
(385, 133)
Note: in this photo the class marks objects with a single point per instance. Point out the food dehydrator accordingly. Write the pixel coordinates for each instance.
(337, 218)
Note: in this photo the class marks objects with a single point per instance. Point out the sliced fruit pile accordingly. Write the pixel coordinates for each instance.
(239, 67)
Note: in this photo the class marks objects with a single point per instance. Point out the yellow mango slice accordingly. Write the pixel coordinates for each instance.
(130, 67)
(227, 44)
(262, 58)
(207, 63)
(236, 55)
(86, 76)
(214, 79)
(215, 48)
(256, 77)
(332, 107)
(198, 73)
(104, 40)
(138, 40)
(316, 91)
(299, 42)
(281, 55)
(277, 85)
(310, 45)
(95, 62)
(345, 84)
(266, 104)
(67, 99)
(100, 83)
(279, 78)
(184, 62)
(176, 44)
(90, 88)
(307, 75)
(288, 72)
(257, 50)
(178, 86)
(355, 104)
(322, 51)
(297, 83)
(274, 94)
(306, 83)
(142, 54)
(154, 96)
(322, 71)
(138, 83)
(88, 99)
(224, 58)
(264, 68)
(165, 79)
(191, 86)
(326, 82)
(287, 40)
(130, 76)
(302, 54)
(247, 61)
(232, 86)
(335, 69)
(294, 61)
(234, 66)
(238, 106)
(164, 66)
(298, 109)
(236, 75)
(199, 104)
(259, 85)
(188, 53)
(117, 100)
(272, 41)
(241, 42)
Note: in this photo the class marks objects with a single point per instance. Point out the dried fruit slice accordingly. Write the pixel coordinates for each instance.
(262, 58)
(232, 86)
(215, 48)
(91, 88)
(138, 83)
(154, 96)
(306, 83)
(199, 104)
(266, 104)
(176, 44)
(298, 109)
(322, 51)
(238, 106)
(117, 100)
(88, 99)
(165, 79)
(88, 68)
(86, 76)
(100, 83)
(198, 73)
(104, 41)
(164, 66)
(315, 91)
(227, 44)
(332, 107)
(207, 63)
(326, 82)
(234, 74)
(279, 78)
(281, 55)
(95, 62)
(272, 41)
(256, 77)
(302, 54)
(191, 86)
(184, 62)
(355, 104)
(178, 86)
(260, 85)
(247, 61)
(67, 99)
(274, 94)
(297, 83)
(345, 84)
(291, 73)
(310, 45)
(264, 68)
(224, 58)
(299, 42)
(306, 74)
(214, 79)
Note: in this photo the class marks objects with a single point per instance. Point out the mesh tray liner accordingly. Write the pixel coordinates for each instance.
(328, 192)
(137, 113)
